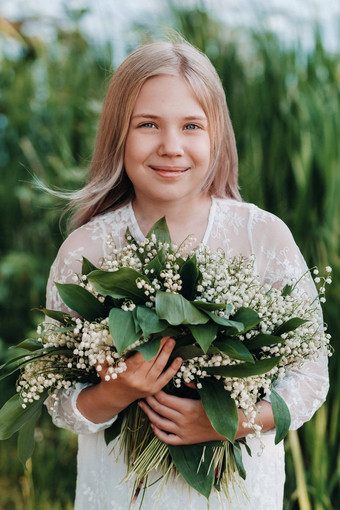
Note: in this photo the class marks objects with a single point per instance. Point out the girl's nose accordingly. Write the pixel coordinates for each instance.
(170, 144)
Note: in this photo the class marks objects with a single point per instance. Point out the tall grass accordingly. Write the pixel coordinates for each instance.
(285, 108)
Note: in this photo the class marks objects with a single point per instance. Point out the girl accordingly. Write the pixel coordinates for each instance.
(166, 147)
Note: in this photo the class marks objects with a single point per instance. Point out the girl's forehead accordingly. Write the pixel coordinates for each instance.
(167, 91)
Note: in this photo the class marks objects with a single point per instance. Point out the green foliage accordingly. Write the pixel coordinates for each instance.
(13, 416)
(81, 301)
(54, 459)
(148, 321)
(122, 329)
(281, 416)
(204, 334)
(187, 458)
(118, 284)
(245, 369)
(177, 310)
(215, 399)
(234, 348)
(161, 231)
(285, 108)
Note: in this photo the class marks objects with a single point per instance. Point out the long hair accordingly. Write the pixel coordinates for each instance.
(108, 186)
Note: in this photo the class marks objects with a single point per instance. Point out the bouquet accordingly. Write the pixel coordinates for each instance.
(236, 336)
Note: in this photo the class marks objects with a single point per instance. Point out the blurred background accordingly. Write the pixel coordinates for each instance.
(280, 65)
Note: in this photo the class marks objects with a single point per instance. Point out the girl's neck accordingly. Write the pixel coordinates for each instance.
(183, 217)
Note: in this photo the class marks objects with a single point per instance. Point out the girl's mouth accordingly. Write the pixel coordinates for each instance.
(170, 172)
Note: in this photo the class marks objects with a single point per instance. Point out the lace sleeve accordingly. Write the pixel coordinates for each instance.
(88, 241)
(279, 261)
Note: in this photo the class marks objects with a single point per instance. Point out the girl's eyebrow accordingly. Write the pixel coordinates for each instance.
(151, 116)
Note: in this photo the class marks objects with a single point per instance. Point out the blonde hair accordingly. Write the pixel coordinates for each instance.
(108, 186)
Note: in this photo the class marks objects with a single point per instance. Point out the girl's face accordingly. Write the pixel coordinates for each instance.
(167, 151)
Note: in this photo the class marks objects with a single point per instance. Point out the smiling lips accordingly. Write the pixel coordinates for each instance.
(169, 171)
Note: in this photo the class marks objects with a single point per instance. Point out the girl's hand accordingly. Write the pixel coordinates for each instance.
(142, 378)
(177, 420)
(181, 421)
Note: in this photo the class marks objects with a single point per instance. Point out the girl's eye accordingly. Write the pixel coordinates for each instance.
(191, 126)
(148, 125)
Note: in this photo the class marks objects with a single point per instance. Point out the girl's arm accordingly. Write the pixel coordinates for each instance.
(279, 261)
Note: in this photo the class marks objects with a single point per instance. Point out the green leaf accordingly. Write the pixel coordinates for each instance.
(202, 305)
(204, 334)
(122, 329)
(119, 284)
(281, 416)
(237, 452)
(187, 352)
(248, 317)
(157, 263)
(287, 290)
(220, 408)
(87, 266)
(190, 274)
(81, 301)
(177, 310)
(245, 369)
(114, 430)
(233, 326)
(128, 234)
(29, 345)
(170, 332)
(150, 348)
(261, 340)
(131, 241)
(148, 321)
(64, 329)
(64, 318)
(289, 325)
(243, 442)
(234, 348)
(14, 364)
(195, 464)
(13, 416)
(161, 231)
(180, 261)
(26, 440)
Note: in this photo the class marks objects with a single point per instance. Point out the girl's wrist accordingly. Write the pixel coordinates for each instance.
(264, 418)
(101, 403)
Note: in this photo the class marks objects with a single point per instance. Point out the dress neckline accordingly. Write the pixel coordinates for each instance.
(139, 236)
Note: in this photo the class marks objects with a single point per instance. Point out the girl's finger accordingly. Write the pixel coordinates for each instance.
(159, 362)
(157, 420)
(162, 409)
(171, 439)
(137, 360)
(178, 404)
(168, 374)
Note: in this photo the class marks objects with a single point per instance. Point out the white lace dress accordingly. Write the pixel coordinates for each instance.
(237, 228)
